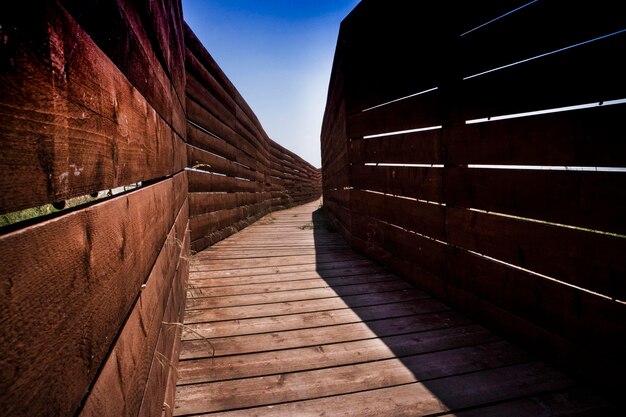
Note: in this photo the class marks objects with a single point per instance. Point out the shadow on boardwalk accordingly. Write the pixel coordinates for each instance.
(410, 354)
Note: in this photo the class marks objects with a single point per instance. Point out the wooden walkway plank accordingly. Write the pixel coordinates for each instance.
(282, 319)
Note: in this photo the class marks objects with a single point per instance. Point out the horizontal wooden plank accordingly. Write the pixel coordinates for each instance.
(204, 118)
(416, 182)
(198, 291)
(130, 359)
(91, 264)
(424, 218)
(67, 136)
(354, 271)
(592, 322)
(203, 74)
(200, 181)
(412, 113)
(302, 306)
(205, 96)
(204, 224)
(200, 159)
(589, 260)
(135, 50)
(313, 319)
(200, 203)
(201, 139)
(573, 138)
(284, 296)
(199, 270)
(506, 40)
(593, 200)
(300, 359)
(586, 74)
(437, 396)
(408, 148)
(323, 335)
(377, 235)
(341, 380)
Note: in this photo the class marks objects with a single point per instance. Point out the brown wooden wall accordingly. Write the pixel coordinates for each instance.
(94, 96)
(535, 250)
(237, 173)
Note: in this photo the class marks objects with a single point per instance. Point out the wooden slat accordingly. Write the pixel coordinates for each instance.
(204, 96)
(313, 319)
(200, 203)
(445, 394)
(203, 74)
(201, 116)
(284, 296)
(133, 51)
(593, 200)
(341, 380)
(120, 386)
(302, 306)
(355, 271)
(408, 148)
(377, 235)
(70, 135)
(591, 321)
(91, 264)
(586, 74)
(416, 182)
(300, 359)
(200, 159)
(589, 260)
(199, 291)
(206, 182)
(573, 138)
(237, 345)
(412, 113)
(507, 40)
(210, 222)
(424, 218)
(203, 140)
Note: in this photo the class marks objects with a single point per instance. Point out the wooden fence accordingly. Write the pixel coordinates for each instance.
(439, 162)
(238, 173)
(94, 96)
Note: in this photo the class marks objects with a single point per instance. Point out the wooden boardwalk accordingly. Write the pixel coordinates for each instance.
(283, 319)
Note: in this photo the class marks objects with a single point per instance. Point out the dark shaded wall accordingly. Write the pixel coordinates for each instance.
(495, 216)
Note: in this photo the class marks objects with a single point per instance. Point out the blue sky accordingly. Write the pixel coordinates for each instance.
(279, 55)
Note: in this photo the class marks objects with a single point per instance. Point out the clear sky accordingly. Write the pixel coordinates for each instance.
(278, 53)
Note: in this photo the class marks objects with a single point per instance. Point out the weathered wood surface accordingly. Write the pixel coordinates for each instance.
(71, 123)
(65, 310)
(283, 320)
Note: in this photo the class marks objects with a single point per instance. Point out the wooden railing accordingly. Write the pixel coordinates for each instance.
(516, 220)
(93, 98)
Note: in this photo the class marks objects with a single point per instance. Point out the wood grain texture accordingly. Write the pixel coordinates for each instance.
(282, 347)
(417, 182)
(136, 48)
(71, 122)
(573, 138)
(120, 386)
(585, 259)
(82, 270)
(593, 200)
(420, 147)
